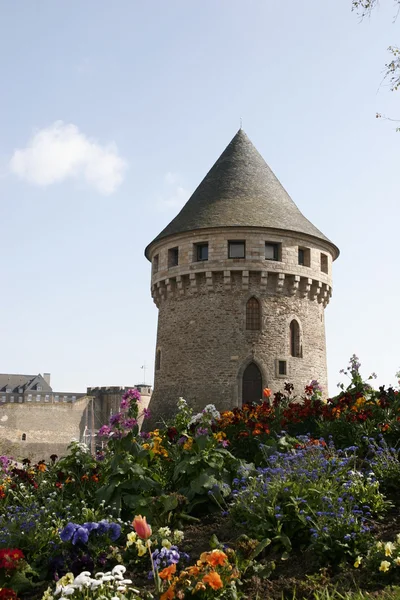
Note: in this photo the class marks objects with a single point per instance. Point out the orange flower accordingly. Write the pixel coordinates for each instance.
(214, 580)
(169, 594)
(41, 467)
(168, 572)
(267, 393)
(141, 527)
(216, 557)
(85, 477)
(193, 571)
(95, 478)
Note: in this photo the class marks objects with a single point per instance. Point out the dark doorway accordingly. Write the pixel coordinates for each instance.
(252, 384)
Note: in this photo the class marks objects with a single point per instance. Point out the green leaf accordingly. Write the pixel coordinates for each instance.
(259, 548)
(214, 542)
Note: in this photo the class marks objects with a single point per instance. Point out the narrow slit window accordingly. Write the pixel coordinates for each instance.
(324, 263)
(282, 367)
(253, 316)
(295, 342)
(155, 264)
(173, 257)
(158, 360)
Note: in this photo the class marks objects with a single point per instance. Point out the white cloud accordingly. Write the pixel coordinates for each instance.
(61, 152)
(175, 195)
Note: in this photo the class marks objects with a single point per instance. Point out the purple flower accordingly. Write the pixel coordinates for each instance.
(124, 404)
(144, 435)
(130, 423)
(81, 535)
(114, 419)
(182, 440)
(202, 431)
(103, 526)
(114, 531)
(105, 430)
(90, 526)
(68, 531)
(146, 413)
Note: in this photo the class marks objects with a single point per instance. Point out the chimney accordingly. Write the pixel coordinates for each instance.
(46, 377)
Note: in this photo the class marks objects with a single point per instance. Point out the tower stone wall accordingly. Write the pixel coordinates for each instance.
(203, 345)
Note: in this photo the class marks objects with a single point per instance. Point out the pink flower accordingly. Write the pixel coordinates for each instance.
(141, 527)
(104, 431)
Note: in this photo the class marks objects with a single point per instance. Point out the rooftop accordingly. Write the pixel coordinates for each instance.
(240, 190)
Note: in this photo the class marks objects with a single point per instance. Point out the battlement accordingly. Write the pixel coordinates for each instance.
(267, 282)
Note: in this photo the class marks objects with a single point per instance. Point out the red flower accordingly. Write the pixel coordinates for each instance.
(8, 594)
(9, 558)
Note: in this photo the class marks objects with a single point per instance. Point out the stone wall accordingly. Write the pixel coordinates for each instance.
(202, 339)
(48, 428)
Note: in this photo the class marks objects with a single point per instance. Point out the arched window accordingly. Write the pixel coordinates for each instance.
(253, 316)
(295, 341)
(24, 437)
(158, 360)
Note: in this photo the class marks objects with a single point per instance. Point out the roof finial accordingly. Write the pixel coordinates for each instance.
(241, 123)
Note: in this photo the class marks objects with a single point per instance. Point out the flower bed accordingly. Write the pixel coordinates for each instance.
(293, 495)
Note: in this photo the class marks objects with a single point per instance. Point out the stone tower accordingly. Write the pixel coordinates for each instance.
(241, 280)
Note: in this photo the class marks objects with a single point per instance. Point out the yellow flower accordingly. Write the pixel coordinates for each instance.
(389, 547)
(188, 445)
(385, 566)
(131, 539)
(141, 548)
(166, 544)
(358, 561)
(397, 561)
(379, 545)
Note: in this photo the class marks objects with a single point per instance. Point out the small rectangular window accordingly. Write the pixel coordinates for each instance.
(38, 398)
(20, 391)
(236, 249)
(39, 388)
(11, 398)
(65, 398)
(73, 398)
(304, 257)
(173, 257)
(282, 367)
(29, 397)
(324, 263)
(8, 390)
(56, 398)
(3, 398)
(272, 251)
(47, 398)
(19, 398)
(155, 264)
(200, 252)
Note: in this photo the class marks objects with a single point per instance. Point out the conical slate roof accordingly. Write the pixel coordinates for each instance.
(240, 190)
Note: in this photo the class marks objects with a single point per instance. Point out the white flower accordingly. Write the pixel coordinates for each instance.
(118, 570)
(95, 584)
(178, 536)
(68, 590)
(164, 532)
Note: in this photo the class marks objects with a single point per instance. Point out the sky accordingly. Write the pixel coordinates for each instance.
(111, 113)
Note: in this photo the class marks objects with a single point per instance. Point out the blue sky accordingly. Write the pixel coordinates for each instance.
(112, 113)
